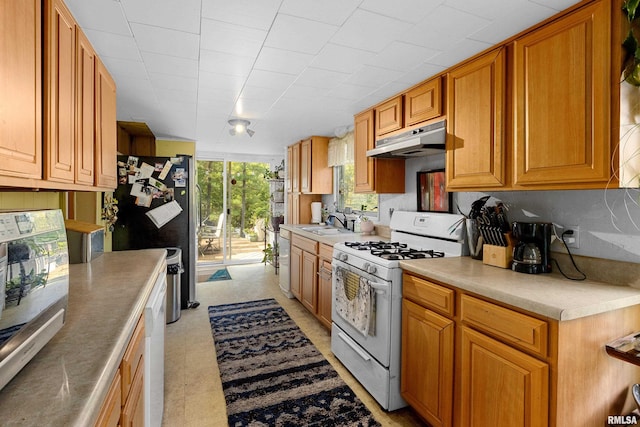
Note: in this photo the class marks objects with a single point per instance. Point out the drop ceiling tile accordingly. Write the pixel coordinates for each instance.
(172, 65)
(424, 35)
(174, 95)
(208, 80)
(166, 41)
(440, 19)
(558, 5)
(402, 56)
(114, 45)
(297, 93)
(252, 107)
(249, 13)
(333, 12)
(282, 61)
(341, 58)
(422, 72)
(512, 23)
(231, 38)
(368, 31)
(265, 94)
(350, 92)
(298, 34)
(488, 9)
(270, 79)
(125, 69)
(373, 76)
(461, 51)
(183, 15)
(225, 63)
(168, 81)
(326, 79)
(405, 10)
(100, 15)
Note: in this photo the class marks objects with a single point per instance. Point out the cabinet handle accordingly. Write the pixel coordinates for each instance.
(348, 341)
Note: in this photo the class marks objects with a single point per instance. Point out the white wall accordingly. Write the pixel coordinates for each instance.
(606, 217)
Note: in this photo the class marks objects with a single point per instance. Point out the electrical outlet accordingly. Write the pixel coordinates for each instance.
(572, 240)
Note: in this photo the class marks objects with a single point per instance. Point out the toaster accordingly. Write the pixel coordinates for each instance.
(85, 240)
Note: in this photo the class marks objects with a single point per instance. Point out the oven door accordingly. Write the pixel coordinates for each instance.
(376, 342)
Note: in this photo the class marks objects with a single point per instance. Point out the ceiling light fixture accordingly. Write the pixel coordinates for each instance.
(240, 126)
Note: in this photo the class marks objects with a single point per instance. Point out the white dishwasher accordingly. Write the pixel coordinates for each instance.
(155, 321)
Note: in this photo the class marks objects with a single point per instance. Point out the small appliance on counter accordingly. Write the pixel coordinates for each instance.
(86, 241)
(531, 253)
(34, 285)
(316, 212)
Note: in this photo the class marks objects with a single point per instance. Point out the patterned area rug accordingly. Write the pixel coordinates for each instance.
(272, 375)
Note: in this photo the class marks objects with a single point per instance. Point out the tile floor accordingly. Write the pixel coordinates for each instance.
(193, 391)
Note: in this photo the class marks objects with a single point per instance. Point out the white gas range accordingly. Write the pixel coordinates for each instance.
(367, 296)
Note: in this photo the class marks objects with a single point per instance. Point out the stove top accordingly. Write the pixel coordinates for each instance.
(393, 250)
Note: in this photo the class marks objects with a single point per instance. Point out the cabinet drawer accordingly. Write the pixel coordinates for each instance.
(305, 244)
(326, 252)
(132, 358)
(389, 116)
(515, 328)
(428, 294)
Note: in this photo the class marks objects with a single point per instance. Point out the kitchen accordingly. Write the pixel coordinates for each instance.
(605, 218)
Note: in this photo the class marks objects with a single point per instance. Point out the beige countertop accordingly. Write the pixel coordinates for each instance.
(332, 238)
(549, 295)
(67, 381)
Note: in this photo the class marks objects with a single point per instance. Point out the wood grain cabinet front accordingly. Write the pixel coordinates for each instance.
(423, 102)
(389, 116)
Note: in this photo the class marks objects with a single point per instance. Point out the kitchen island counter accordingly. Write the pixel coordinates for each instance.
(67, 381)
(549, 295)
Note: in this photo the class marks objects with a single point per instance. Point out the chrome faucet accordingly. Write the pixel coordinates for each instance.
(343, 222)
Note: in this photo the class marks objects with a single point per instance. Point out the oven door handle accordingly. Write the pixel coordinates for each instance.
(354, 346)
(381, 288)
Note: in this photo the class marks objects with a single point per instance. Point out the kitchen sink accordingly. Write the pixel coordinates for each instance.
(325, 230)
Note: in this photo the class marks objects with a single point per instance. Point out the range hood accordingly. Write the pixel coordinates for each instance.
(423, 141)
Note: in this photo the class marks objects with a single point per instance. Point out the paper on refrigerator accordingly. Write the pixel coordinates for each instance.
(165, 213)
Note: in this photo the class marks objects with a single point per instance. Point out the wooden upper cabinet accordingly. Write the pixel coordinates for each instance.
(20, 89)
(389, 116)
(423, 102)
(287, 182)
(106, 133)
(59, 90)
(295, 168)
(562, 93)
(373, 175)
(316, 177)
(85, 108)
(475, 154)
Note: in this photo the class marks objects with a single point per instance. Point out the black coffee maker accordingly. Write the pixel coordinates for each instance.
(531, 253)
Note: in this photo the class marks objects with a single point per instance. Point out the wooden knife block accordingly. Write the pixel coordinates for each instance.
(498, 256)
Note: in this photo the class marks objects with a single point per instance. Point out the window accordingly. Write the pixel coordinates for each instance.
(344, 177)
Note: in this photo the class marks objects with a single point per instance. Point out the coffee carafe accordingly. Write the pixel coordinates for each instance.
(531, 254)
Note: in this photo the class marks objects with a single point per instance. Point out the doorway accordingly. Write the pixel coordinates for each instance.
(234, 207)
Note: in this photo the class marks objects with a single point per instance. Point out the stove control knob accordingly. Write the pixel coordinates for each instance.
(369, 268)
(343, 257)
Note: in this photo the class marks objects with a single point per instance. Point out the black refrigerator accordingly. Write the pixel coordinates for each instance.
(157, 209)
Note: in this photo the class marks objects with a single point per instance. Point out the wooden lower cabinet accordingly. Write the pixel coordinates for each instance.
(501, 366)
(427, 387)
(295, 269)
(309, 277)
(499, 385)
(325, 289)
(124, 404)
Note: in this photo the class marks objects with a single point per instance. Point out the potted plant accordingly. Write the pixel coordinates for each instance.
(366, 225)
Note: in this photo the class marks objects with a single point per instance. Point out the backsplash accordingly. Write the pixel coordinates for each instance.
(609, 220)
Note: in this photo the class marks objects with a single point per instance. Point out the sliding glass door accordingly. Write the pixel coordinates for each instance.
(234, 203)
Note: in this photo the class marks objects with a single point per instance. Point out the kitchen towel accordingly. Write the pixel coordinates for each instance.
(354, 301)
(316, 212)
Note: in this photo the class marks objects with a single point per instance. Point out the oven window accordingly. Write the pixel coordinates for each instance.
(346, 197)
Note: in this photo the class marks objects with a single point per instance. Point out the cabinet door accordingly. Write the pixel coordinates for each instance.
(85, 109)
(324, 293)
(289, 164)
(59, 92)
(389, 116)
(105, 128)
(133, 408)
(363, 141)
(423, 102)
(373, 175)
(305, 166)
(21, 89)
(562, 88)
(475, 156)
(295, 168)
(500, 386)
(309, 278)
(427, 363)
(111, 408)
(295, 271)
